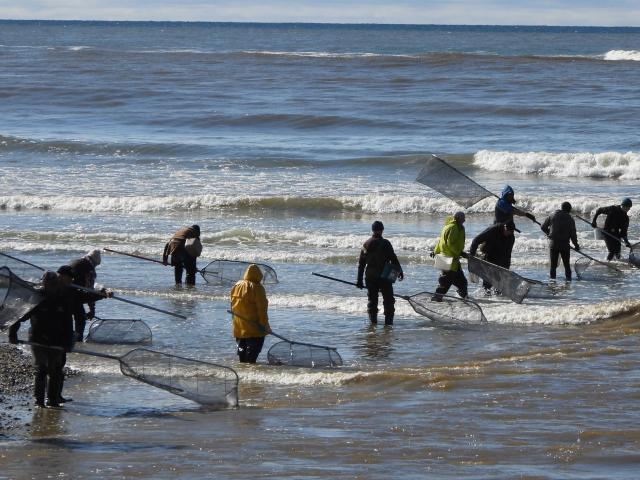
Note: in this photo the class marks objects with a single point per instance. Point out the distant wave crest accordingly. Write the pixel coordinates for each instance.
(625, 166)
(618, 55)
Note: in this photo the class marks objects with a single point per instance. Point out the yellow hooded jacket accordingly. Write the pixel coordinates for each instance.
(249, 301)
(451, 242)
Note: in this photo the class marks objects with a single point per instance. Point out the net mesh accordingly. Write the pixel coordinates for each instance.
(228, 272)
(590, 269)
(508, 283)
(203, 382)
(450, 310)
(27, 272)
(303, 355)
(18, 298)
(119, 331)
(448, 181)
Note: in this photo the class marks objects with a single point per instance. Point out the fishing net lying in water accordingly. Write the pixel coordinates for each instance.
(588, 268)
(119, 331)
(300, 354)
(18, 298)
(206, 383)
(450, 182)
(444, 309)
(508, 283)
(228, 272)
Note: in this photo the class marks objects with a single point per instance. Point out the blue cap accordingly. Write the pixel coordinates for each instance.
(626, 201)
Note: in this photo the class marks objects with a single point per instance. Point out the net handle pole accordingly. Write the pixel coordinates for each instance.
(35, 344)
(98, 354)
(143, 258)
(22, 261)
(54, 347)
(334, 279)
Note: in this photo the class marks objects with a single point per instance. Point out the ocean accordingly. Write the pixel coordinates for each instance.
(284, 142)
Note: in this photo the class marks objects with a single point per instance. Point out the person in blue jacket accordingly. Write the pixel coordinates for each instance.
(505, 209)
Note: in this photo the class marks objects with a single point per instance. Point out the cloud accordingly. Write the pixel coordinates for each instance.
(541, 12)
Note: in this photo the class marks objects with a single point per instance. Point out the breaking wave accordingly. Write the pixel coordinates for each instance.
(622, 55)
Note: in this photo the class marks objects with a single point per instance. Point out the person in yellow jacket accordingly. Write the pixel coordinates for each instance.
(451, 244)
(251, 324)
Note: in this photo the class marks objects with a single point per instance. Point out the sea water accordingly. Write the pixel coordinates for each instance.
(284, 143)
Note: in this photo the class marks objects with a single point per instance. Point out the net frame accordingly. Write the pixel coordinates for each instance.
(450, 182)
(588, 268)
(126, 331)
(423, 304)
(509, 283)
(152, 373)
(216, 273)
(18, 298)
(301, 354)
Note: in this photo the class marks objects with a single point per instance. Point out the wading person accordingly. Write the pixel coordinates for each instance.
(84, 275)
(251, 324)
(52, 326)
(496, 244)
(451, 244)
(615, 224)
(184, 248)
(505, 210)
(378, 268)
(560, 228)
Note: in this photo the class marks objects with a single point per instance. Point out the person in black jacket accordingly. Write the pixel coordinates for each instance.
(496, 243)
(84, 275)
(52, 328)
(379, 266)
(560, 228)
(616, 224)
(181, 259)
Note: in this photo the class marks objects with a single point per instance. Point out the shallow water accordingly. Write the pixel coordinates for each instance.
(282, 143)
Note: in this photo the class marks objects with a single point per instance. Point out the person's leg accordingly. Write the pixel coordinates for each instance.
(177, 260)
(388, 302)
(372, 300)
(445, 280)
(613, 246)
(79, 320)
(40, 374)
(254, 347)
(460, 281)
(56, 376)
(191, 268)
(553, 259)
(565, 254)
(242, 349)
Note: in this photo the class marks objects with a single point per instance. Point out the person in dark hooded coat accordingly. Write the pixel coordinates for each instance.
(560, 228)
(84, 275)
(505, 210)
(496, 243)
(616, 225)
(181, 258)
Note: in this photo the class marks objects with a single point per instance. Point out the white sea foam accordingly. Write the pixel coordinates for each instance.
(618, 55)
(624, 166)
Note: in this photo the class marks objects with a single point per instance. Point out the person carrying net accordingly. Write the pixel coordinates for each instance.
(184, 249)
(496, 243)
(451, 244)
(616, 224)
(251, 324)
(560, 228)
(504, 210)
(379, 267)
(84, 275)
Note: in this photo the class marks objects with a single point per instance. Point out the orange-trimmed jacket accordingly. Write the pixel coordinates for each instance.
(249, 301)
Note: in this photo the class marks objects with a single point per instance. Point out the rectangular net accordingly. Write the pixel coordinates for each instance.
(203, 382)
(228, 272)
(508, 283)
(298, 354)
(18, 298)
(450, 182)
(119, 331)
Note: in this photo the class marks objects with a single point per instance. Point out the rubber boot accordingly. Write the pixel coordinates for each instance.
(373, 317)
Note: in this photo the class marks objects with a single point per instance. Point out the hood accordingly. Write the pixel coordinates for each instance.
(449, 220)
(253, 274)
(506, 191)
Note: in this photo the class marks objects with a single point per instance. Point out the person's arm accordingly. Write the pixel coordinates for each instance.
(262, 306)
(574, 235)
(393, 258)
(600, 211)
(362, 263)
(545, 226)
(623, 232)
(522, 213)
(481, 238)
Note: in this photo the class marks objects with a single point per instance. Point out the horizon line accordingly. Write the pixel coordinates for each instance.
(318, 23)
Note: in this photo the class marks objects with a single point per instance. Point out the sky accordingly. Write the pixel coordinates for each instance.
(468, 12)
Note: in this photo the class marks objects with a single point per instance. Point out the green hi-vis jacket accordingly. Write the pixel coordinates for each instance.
(451, 241)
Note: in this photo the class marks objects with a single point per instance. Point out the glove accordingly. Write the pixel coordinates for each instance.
(359, 284)
(464, 254)
(106, 293)
(627, 244)
(530, 216)
(13, 338)
(432, 254)
(401, 276)
(594, 224)
(577, 248)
